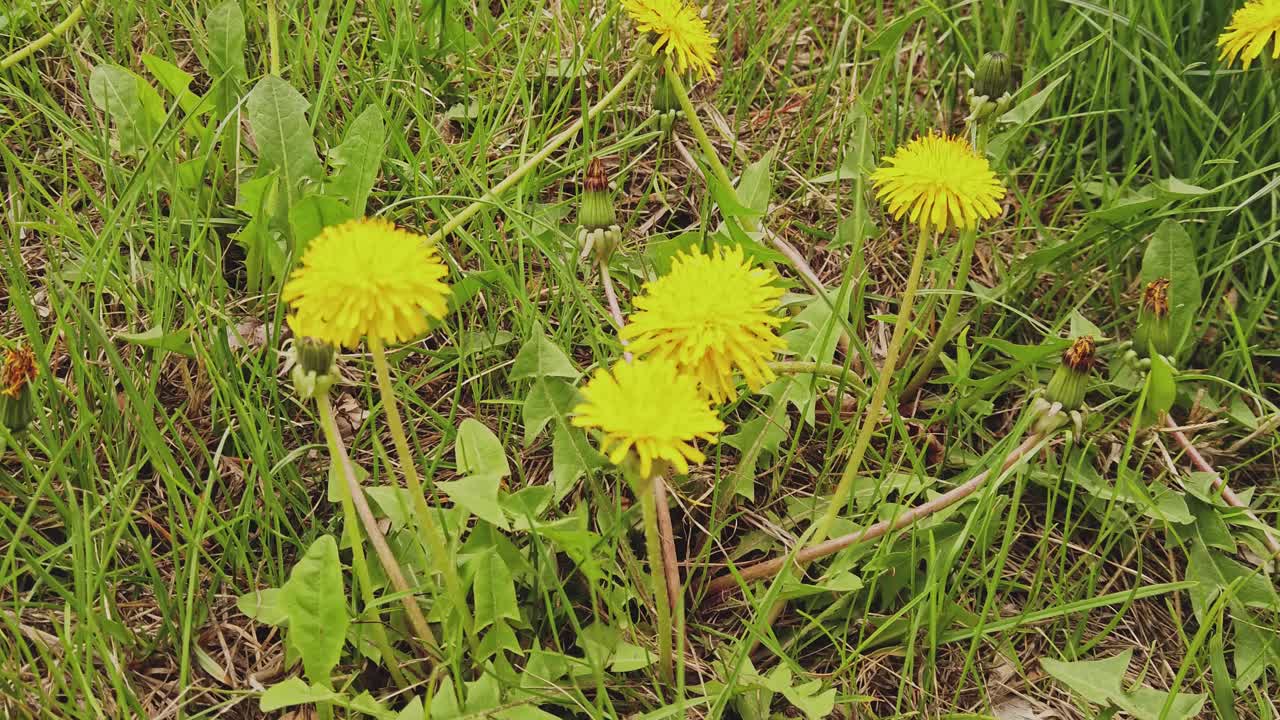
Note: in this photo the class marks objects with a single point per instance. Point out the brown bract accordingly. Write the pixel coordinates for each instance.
(1155, 299)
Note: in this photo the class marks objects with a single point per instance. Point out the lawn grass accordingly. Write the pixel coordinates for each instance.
(172, 473)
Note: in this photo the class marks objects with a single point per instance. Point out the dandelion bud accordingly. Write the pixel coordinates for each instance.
(315, 368)
(1154, 334)
(597, 211)
(17, 406)
(598, 228)
(1070, 381)
(994, 76)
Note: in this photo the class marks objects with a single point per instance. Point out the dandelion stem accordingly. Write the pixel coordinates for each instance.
(661, 599)
(356, 496)
(492, 195)
(41, 42)
(351, 523)
(876, 406)
(273, 37)
(432, 535)
(968, 243)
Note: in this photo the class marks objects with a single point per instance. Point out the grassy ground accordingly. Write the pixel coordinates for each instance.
(173, 469)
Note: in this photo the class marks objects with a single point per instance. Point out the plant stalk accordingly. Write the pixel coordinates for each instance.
(41, 42)
(968, 243)
(876, 405)
(432, 535)
(661, 597)
(356, 495)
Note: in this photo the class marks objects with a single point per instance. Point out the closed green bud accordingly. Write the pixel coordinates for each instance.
(1070, 381)
(596, 212)
(315, 367)
(1155, 332)
(994, 76)
(17, 404)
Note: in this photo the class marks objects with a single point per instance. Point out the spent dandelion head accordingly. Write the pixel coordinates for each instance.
(1250, 28)
(650, 410)
(937, 181)
(17, 406)
(712, 317)
(678, 30)
(366, 278)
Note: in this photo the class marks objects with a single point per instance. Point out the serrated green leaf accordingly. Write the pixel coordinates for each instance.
(130, 103)
(479, 495)
(1215, 573)
(278, 116)
(1171, 254)
(495, 591)
(358, 159)
(315, 601)
(548, 399)
(266, 606)
(755, 186)
(478, 450)
(312, 214)
(226, 37)
(294, 691)
(1025, 111)
(177, 82)
(540, 358)
(177, 341)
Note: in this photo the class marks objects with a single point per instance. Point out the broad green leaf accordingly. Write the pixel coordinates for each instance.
(887, 39)
(478, 450)
(226, 37)
(539, 357)
(128, 101)
(315, 600)
(1215, 573)
(499, 639)
(444, 704)
(1257, 647)
(177, 82)
(278, 117)
(294, 691)
(494, 591)
(811, 699)
(731, 206)
(479, 495)
(548, 399)
(177, 341)
(629, 658)
(523, 712)
(1025, 111)
(1097, 681)
(266, 606)
(1081, 326)
(358, 159)
(312, 214)
(1162, 390)
(413, 711)
(756, 184)
(572, 456)
(1172, 254)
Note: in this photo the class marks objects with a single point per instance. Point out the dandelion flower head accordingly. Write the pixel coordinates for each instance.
(1249, 30)
(650, 408)
(678, 30)
(939, 181)
(711, 317)
(366, 278)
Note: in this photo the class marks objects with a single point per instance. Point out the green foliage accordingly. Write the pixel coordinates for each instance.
(315, 603)
(1099, 683)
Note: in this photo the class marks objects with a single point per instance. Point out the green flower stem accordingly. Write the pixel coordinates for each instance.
(432, 535)
(828, 370)
(273, 37)
(699, 132)
(355, 495)
(946, 329)
(358, 562)
(492, 195)
(41, 42)
(876, 406)
(661, 599)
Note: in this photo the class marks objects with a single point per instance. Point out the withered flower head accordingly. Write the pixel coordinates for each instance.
(19, 371)
(1155, 299)
(1080, 356)
(597, 179)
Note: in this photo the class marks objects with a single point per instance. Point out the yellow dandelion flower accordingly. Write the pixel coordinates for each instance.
(1251, 26)
(710, 317)
(366, 278)
(938, 180)
(648, 407)
(678, 30)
